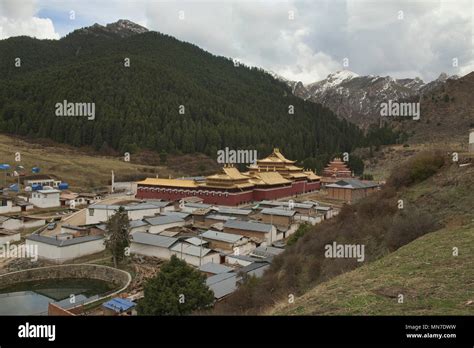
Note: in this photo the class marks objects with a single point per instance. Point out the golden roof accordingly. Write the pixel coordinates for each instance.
(275, 156)
(297, 175)
(271, 178)
(234, 173)
(312, 176)
(168, 182)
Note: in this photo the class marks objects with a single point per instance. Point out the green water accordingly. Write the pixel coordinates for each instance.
(32, 298)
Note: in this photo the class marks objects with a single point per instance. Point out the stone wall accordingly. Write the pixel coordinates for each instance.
(119, 278)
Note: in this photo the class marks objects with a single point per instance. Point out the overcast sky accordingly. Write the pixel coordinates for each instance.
(300, 40)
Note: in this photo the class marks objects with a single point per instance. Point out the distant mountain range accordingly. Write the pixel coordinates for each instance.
(358, 98)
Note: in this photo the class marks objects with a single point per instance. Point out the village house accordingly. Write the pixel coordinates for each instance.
(255, 230)
(351, 190)
(195, 255)
(7, 205)
(8, 236)
(265, 252)
(187, 217)
(46, 198)
(160, 223)
(97, 213)
(212, 219)
(65, 247)
(224, 284)
(280, 217)
(242, 214)
(138, 226)
(210, 269)
(148, 244)
(240, 260)
(20, 222)
(40, 180)
(228, 243)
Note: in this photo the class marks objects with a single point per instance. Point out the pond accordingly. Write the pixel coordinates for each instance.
(32, 298)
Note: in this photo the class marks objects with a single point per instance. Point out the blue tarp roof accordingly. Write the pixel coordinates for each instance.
(119, 304)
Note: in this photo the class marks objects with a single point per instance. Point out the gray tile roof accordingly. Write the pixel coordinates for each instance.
(163, 220)
(234, 211)
(263, 252)
(196, 241)
(248, 226)
(222, 284)
(153, 239)
(137, 223)
(176, 213)
(215, 268)
(278, 212)
(197, 205)
(62, 242)
(221, 236)
(160, 204)
(220, 217)
(190, 250)
(139, 206)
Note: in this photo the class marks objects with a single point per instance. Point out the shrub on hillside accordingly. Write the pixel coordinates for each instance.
(416, 169)
(408, 226)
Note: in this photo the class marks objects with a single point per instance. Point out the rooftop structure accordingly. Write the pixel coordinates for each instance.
(337, 169)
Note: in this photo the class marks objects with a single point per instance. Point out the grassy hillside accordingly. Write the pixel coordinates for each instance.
(84, 170)
(432, 280)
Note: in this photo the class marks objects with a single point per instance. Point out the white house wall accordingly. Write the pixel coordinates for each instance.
(150, 250)
(65, 253)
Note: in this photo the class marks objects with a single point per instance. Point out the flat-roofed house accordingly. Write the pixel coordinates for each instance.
(195, 255)
(148, 244)
(46, 198)
(8, 236)
(160, 223)
(97, 213)
(7, 205)
(279, 217)
(19, 222)
(228, 242)
(138, 226)
(65, 247)
(258, 231)
(40, 179)
(212, 219)
(351, 190)
(211, 269)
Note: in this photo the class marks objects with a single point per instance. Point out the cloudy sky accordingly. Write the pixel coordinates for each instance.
(298, 39)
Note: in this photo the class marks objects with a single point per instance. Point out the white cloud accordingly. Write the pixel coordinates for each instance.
(18, 18)
(314, 44)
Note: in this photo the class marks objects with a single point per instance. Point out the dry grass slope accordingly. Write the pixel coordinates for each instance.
(432, 280)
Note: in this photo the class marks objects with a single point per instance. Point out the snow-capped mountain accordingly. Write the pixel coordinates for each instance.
(358, 98)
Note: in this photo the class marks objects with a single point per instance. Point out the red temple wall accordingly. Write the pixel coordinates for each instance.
(232, 199)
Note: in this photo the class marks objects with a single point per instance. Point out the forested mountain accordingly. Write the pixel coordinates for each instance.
(137, 107)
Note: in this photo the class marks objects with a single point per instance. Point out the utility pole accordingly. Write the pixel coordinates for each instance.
(200, 251)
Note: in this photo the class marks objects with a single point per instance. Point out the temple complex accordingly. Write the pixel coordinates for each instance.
(270, 178)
